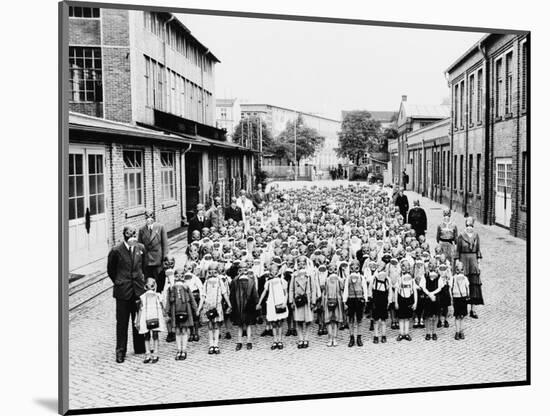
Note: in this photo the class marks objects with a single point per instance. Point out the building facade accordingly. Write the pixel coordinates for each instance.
(411, 117)
(142, 131)
(276, 119)
(488, 131)
(228, 115)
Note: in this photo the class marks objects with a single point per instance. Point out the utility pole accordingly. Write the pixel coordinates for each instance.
(295, 159)
(261, 146)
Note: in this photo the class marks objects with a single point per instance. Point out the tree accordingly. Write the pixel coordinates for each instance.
(308, 141)
(360, 135)
(247, 133)
(388, 134)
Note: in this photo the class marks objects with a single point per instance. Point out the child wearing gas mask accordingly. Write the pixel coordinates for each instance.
(151, 320)
(182, 312)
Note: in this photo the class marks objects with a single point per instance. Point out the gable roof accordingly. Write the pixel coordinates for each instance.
(425, 111)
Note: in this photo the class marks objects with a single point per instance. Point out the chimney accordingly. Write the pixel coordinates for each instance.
(403, 98)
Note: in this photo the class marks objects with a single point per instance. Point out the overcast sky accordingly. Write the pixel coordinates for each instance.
(326, 68)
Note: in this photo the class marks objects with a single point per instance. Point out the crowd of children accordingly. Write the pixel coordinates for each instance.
(324, 256)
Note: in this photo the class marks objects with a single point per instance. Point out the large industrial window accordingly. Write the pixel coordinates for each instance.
(85, 12)
(85, 74)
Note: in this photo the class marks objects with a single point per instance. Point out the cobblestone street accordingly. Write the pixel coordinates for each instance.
(494, 349)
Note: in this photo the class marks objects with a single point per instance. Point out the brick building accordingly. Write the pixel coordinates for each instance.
(141, 127)
(488, 131)
(429, 153)
(411, 117)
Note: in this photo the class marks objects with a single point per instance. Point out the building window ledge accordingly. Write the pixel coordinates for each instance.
(169, 204)
(523, 207)
(135, 212)
(508, 115)
(479, 123)
(523, 111)
(498, 118)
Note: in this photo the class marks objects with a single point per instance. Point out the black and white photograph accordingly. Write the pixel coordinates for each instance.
(270, 208)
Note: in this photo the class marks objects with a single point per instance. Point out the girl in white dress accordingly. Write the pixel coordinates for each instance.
(276, 306)
(150, 320)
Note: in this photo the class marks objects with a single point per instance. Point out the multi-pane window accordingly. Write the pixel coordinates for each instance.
(155, 82)
(478, 174)
(470, 171)
(461, 104)
(133, 177)
(95, 184)
(223, 113)
(508, 99)
(471, 98)
(85, 74)
(524, 178)
(479, 94)
(454, 173)
(76, 186)
(524, 70)
(455, 118)
(167, 175)
(461, 172)
(85, 12)
(154, 23)
(498, 88)
(449, 168)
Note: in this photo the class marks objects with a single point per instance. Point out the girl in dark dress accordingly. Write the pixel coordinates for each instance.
(243, 299)
(469, 253)
(431, 287)
(380, 293)
(405, 300)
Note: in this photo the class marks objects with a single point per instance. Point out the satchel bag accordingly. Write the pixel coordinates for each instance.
(212, 313)
(152, 323)
(280, 308)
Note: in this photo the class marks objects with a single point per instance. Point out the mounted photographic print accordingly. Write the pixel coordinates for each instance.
(265, 208)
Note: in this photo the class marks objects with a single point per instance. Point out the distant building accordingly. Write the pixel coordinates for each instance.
(228, 115)
(142, 129)
(411, 117)
(276, 119)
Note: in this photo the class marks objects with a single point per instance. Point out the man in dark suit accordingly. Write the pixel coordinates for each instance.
(403, 203)
(233, 211)
(155, 240)
(125, 266)
(198, 222)
(417, 219)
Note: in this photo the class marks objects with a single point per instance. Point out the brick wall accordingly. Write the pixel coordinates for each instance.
(167, 214)
(84, 32)
(117, 94)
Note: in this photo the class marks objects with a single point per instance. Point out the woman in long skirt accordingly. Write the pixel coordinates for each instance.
(446, 235)
(469, 253)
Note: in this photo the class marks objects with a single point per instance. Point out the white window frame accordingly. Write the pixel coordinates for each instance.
(133, 168)
(168, 175)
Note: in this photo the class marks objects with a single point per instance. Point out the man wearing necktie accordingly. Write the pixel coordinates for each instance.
(154, 238)
(125, 265)
(198, 222)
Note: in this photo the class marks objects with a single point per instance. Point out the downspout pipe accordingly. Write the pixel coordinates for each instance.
(487, 133)
(451, 134)
(182, 159)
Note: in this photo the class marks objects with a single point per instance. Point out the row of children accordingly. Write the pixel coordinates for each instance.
(324, 255)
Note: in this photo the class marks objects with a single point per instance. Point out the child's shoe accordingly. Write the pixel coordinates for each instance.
(211, 350)
(375, 340)
(383, 339)
(461, 334)
(239, 346)
(351, 342)
(407, 337)
(446, 324)
(248, 345)
(155, 359)
(428, 337)
(439, 324)
(147, 359)
(434, 337)
(359, 341)
(400, 337)
(457, 336)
